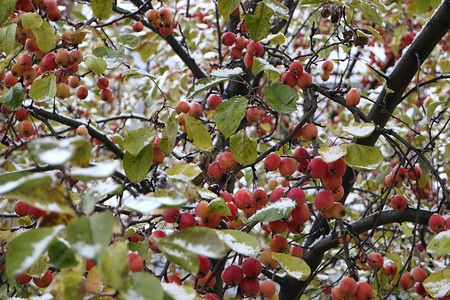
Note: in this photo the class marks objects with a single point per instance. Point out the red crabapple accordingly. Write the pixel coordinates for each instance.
(21, 208)
(327, 66)
(406, 281)
(157, 234)
(44, 281)
(304, 80)
(195, 110)
(22, 278)
(253, 115)
(364, 291)
(296, 251)
(309, 132)
(296, 68)
(226, 161)
(102, 83)
(267, 289)
(182, 107)
(62, 58)
(272, 162)
(171, 215)
(82, 92)
(398, 203)
(203, 266)
(279, 243)
(348, 287)
(324, 201)
(251, 267)
(415, 171)
(419, 274)
(213, 101)
(255, 48)
(228, 38)
(135, 261)
(232, 275)
(437, 223)
(298, 195)
(287, 167)
(249, 286)
(48, 62)
(337, 167)
(26, 129)
(22, 114)
(215, 171)
(138, 26)
(317, 168)
(243, 199)
(375, 261)
(353, 97)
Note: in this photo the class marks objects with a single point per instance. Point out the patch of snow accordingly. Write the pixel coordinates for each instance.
(178, 292)
(227, 72)
(86, 250)
(100, 170)
(442, 235)
(202, 249)
(57, 156)
(241, 248)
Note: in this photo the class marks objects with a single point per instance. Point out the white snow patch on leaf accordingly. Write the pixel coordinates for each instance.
(438, 289)
(178, 292)
(227, 72)
(202, 249)
(241, 248)
(88, 251)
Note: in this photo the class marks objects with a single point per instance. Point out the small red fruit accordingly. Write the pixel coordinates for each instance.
(228, 38)
(138, 26)
(353, 97)
(136, 263)
(45, 280)
(82, 92)
(398, 203)
(251, 267)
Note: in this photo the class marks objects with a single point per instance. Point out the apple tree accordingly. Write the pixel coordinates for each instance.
(224, 149)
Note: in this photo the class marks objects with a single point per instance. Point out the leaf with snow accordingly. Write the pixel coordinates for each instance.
(203, 84)
(89, 236)
(25, 249)
(179, 292)
(260, 65)
(200, 240)
(333, 153)
(227, 72)
(50, 151)
(19, 181)
(149, 203)
(183, 172)
(274, 211)
(94, 194)
(278, 39)
(133, 72)
(185, 259)
(144, 286)
(219, 206)
(293, 266)
(279, 9)
(437, 284)
(97, 171)
(241, 242)
(440, 243)
(359, 130)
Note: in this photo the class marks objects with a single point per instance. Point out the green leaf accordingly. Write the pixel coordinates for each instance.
(82, 153)
(69, 284)
(183, 172)
(277, 39)
(144, 286)
(140, 247)
(19, 181)
(89, 236)
(241, 242)
(260, 65)
(359, 129)
(169, 136)
(133, 72)
(198, 133)
(293, 266)
(13, 98)
(333, 153)
(43, 88)
(114, 266)
(274, 211)
(421, 6)
(60, 255)
(6, 9)
(137, 167)
(375, 33)
(25, 249)
(229, 114)
(257, 24)
(200, 240)
(396, 259)
(45, 36)
(440, 243)
(95, 64)
(129, 39)
(94, 194)
(407, 231)
(102, 9)
(187, 260)
(136, 140)
(243, 148)
(226, 7)
(437, 284)
(148, 204)
(7, 37)
(370, 12)
(281, 97)
(363, 158)
(203, 84)
(112, 57)
(31, 20)
(219, 206)
(431, 109)
(279, 9)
